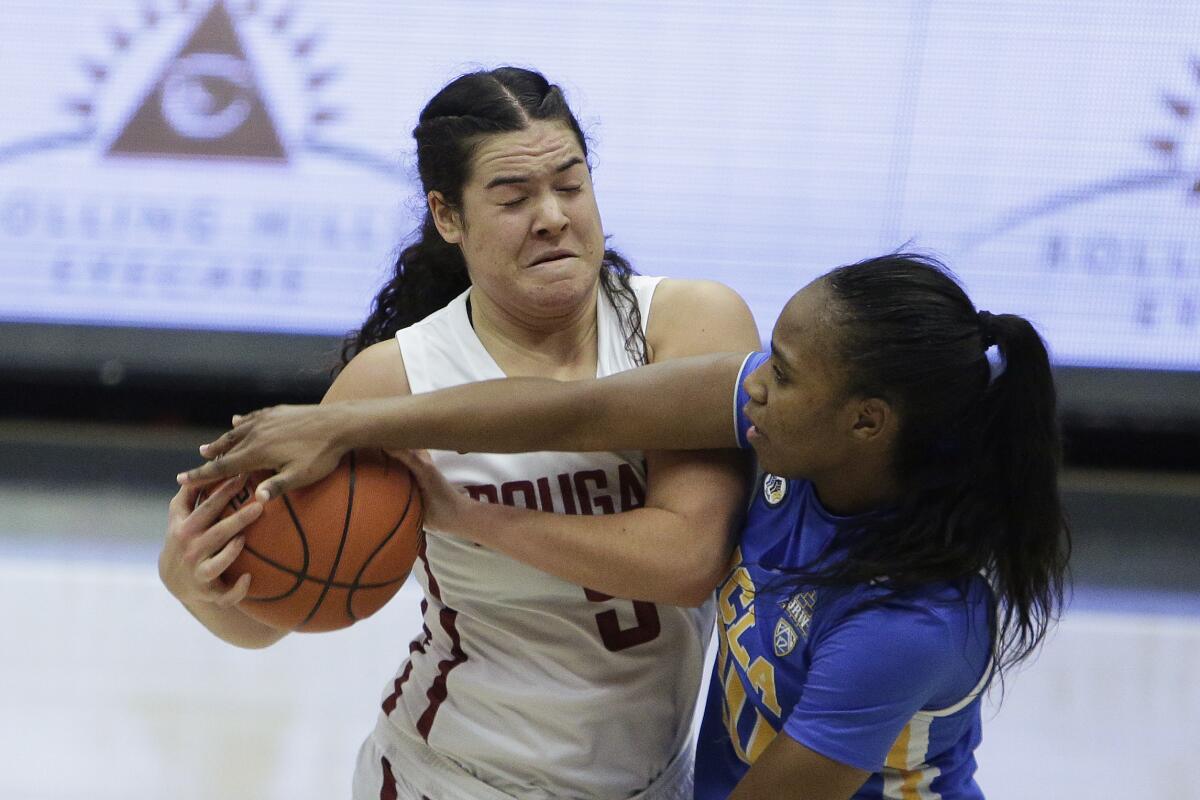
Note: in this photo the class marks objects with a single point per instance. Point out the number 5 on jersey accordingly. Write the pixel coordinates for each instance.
(615, 637)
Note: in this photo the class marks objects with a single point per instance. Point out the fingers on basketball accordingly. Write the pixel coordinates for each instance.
(273, 487)
(235, 593)
(212, 568)
(222, 444)
(336, 550)
(206, 506)
(288, 479)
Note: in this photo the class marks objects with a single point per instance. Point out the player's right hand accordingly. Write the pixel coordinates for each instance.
(199, 546)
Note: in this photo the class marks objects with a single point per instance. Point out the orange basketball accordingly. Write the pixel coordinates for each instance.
(332, 553)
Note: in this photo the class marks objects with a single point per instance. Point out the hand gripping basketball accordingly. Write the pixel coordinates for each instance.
(327, 555)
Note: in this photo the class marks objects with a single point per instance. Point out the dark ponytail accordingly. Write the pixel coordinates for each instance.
(429, 272)
(978, 451)
(1017, 456)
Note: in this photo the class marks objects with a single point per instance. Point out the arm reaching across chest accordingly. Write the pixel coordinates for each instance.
(681, 404)
(674, 549)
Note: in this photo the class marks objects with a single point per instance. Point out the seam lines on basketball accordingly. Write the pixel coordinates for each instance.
(337, 558)
(300, 575)
(378, 548)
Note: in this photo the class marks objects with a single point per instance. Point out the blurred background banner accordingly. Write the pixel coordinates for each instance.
(244, 168)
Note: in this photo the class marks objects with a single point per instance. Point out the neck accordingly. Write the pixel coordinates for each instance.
(560, 345)
(847, 495)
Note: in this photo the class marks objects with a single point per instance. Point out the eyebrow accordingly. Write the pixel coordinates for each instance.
(508, 180)
(775, 354)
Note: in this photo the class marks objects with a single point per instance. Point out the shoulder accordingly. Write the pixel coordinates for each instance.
(906, 626)
(377, 371)
(677, 294)
(689, 317)
(872, 669)
(937, 638)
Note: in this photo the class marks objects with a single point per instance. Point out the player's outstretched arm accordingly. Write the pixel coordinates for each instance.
(681, 404)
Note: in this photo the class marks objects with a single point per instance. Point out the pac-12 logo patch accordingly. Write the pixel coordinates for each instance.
(774, 489)
(785, 638)
(800, 608)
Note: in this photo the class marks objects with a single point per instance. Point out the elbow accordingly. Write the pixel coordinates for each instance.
(700, 591)
(688, 585)
(703, 576)
(693, 598)
(262, 640)
(255, 644)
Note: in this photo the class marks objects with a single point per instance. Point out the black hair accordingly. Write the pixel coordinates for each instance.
(978, 450)
(430, 272)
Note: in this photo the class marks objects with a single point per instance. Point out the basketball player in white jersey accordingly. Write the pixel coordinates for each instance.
(522, 684)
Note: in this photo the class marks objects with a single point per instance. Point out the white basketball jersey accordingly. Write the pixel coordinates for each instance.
(539, 687)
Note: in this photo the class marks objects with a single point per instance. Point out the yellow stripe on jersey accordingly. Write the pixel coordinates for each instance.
(905, 774)
(762, 735)
(897, 757)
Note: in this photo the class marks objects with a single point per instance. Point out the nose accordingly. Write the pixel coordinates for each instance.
(755, 386)
(551, 219)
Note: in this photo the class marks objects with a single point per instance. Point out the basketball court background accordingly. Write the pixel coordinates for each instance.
(204, 193)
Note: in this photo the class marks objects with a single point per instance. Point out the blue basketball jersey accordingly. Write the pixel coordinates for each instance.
(888, 683)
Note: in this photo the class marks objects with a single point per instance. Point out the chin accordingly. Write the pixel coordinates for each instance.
(564, 288)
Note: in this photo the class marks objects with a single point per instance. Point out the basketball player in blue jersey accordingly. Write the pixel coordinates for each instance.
(904, 544)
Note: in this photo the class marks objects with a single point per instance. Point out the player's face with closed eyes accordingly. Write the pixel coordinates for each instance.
(528, 226)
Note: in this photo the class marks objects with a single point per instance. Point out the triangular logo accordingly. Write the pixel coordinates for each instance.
(206, 104)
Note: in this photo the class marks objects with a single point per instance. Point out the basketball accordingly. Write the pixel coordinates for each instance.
(331, 553)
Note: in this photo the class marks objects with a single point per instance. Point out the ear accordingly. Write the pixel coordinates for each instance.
(445, 217)
(873, 418)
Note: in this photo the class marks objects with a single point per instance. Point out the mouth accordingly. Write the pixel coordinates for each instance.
(553, 255)
(753, 432)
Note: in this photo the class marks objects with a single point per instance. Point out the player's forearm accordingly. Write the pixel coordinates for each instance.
(682, 404)
(234, 626)
(644, 554)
